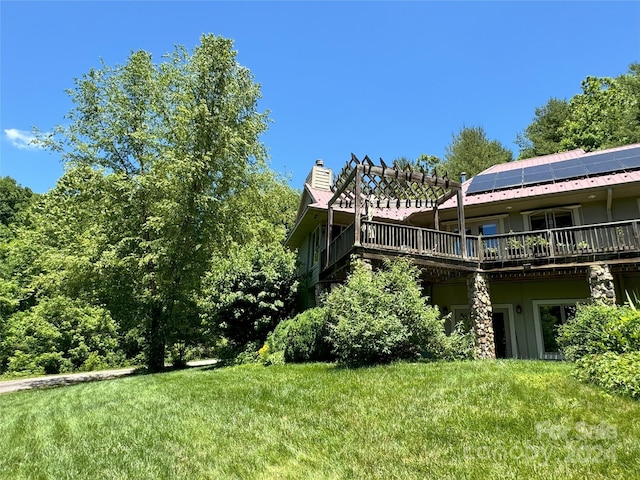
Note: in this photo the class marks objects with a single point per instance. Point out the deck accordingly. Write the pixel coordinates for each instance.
(560, 246)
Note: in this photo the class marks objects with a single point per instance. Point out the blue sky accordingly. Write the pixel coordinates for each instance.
(387, 79)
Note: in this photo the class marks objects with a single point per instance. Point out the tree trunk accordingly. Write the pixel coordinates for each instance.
(156, 345)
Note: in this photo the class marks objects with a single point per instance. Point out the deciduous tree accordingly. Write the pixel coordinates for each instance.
(177, 141)
(13, 199)
(606, 114)
(544, 135)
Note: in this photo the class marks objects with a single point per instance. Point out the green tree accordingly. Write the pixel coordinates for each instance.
(424, 162)
(13, 199)
(60, 251)
(429, 162)
(59, 334)
(403, 163)
(471, 152)
(544, 135)
(606, 114)
(246, 294)
(177, 142)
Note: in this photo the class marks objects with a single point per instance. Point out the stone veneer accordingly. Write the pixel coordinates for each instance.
(601, 284)
(481, 315)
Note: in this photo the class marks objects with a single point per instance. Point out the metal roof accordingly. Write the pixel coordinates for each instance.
(553, 169)
(322, 198)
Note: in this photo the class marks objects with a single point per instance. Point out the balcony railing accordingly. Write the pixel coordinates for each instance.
(556, 244)
(417, 241)
(341, 245)
(560, 245)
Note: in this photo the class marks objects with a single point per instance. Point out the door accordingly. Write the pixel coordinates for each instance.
(500, 334)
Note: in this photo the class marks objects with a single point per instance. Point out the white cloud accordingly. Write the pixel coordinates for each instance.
(20, 138)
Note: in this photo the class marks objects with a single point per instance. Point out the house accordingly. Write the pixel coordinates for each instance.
(509, 252)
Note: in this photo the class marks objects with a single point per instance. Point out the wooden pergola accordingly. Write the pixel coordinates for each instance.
(362, 185)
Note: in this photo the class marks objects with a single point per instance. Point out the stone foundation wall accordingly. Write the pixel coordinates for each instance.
(481, 315)
(601, 284)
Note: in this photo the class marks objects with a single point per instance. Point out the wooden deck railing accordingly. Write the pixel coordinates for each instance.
(417, 241)
(586, 240)
(557, 245)
(340, 246)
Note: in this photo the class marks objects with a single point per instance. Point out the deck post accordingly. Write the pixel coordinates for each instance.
(461, 224)
(552, 243)
(358, 205)
(329, 225)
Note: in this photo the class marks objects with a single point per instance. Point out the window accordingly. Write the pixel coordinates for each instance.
(459, 316)
(560, 218)
(491, 244)
(315, 245)
(549, 317)
(492, 225)
(488, 229)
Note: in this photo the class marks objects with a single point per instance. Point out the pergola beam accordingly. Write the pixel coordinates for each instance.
(360, 182)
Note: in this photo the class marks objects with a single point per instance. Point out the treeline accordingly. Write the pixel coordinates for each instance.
(605, 114)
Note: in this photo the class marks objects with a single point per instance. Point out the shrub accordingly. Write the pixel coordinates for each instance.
(379, 317)
(277, 340)
(459, 345)
(271, 358)
(248, 355)
(599, 328)
(302, 338)
(48, 363)
(57, 335)
(605, 342)
(306, 339)
(53, 362)
(617, 373)
(248, 292)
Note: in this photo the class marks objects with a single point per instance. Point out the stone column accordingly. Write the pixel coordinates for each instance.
(481, 315)
(601, 284)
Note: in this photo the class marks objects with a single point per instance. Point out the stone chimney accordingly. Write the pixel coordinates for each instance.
(320, 177)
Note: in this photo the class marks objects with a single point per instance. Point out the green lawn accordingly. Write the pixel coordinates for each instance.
(492, 419)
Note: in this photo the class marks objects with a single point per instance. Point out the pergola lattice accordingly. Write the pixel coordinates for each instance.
(362, 185)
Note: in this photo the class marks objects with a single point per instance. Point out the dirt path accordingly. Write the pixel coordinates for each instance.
(72, 378)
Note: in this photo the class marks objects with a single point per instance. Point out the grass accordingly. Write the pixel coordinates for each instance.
(492, 419)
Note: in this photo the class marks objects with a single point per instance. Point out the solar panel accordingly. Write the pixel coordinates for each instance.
(590, 165)
(538, 168)
(630, 163)
(565, 172)
(531, 178)
(606, 166)
(515, 173)
(508, 179)
(537, 174)
(593, 160)
(482, 183)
